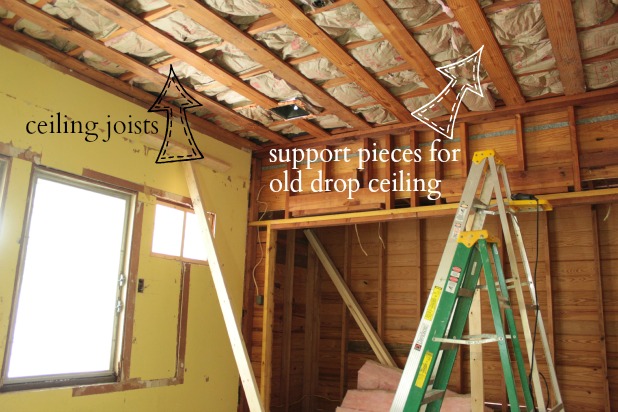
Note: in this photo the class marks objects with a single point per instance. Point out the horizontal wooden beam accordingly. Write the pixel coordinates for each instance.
(422, 212)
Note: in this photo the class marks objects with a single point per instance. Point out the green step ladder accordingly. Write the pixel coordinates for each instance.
(486, 192)
(446, 316)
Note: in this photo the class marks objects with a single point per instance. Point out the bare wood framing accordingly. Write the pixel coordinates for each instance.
(474, 23)
(414, 201)
(373, 216)
(73, 67)
(243, 362)
(600, 307)
(560, 22)
(66, 31)
(465, 149)
(521, 144)
(254, 49)
(361, 319)
(382, 270)
(398, 35)
(268, 321)
(290, 14)
(345, 316)
(544, 229)
(577, 178)
(312, 331)
(288, 307)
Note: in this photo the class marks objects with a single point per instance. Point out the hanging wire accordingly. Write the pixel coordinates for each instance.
(380, 235)
(359, 241)
(257, 200)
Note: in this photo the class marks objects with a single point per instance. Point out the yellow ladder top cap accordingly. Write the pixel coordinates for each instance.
(470, 238)
(481, 155)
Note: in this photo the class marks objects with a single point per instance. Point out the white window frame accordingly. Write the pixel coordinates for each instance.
(72, 379)
(211, 217)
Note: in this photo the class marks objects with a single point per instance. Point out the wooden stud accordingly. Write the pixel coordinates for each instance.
(560, 22)
(414, 201)
(577, 179)
(357, 313)
(520, 142)
(345, 315)
(312, 331)
(389, 145)
(288, 309)
(601, 309)
(465, 149)
(549, 316)
(476, 356)
(243, 362)
(437, 164)
(382, 271)
(268, 320)
(368, 166)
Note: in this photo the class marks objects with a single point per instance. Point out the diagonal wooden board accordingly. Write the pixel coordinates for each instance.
(384, 357)
(243, 362)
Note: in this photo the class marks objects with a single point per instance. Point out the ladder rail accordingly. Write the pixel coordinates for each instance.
(508, 241)
(541, 324)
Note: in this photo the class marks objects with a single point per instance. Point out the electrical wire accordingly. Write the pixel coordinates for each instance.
(359, 241)
(380, 235)
(257, 200)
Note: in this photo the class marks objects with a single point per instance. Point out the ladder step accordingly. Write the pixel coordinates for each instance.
(433, 395)
(469, 340)
(478, 204)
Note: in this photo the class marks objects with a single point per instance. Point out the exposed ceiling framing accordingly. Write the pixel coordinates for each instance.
(363, 65)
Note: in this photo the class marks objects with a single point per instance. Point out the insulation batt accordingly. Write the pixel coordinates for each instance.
(286, 42)
(376, 114)
(601, 74)
(140, 48)
(598, 41)
(592, 12)
(347, 24)
(320, 69)
(519, 25)
(414, 12)
(77, 15)
(185, 30)
(377, 56)
(39, 33)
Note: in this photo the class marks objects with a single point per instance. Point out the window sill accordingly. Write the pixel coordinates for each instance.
(128, 385)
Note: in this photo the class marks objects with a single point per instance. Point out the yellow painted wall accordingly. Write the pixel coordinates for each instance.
(31, 91)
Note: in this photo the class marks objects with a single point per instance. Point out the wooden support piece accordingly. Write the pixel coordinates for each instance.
(243, 362)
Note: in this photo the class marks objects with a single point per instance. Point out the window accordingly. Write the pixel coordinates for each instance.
(177, 234)
(71, 284)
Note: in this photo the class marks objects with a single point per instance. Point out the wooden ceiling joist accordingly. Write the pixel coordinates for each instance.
(396, 33)
(474, 24)
(68, 32)
(296, 19)
(19, 41)
(560, 22)
(203, 15)
(140, 26)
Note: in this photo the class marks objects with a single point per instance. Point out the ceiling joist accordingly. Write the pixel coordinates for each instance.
(396, 33)
(64, 30)
(290, 14)
(560, 22)
(474, 24)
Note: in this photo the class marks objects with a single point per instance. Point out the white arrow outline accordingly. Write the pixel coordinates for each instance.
(474, 87)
